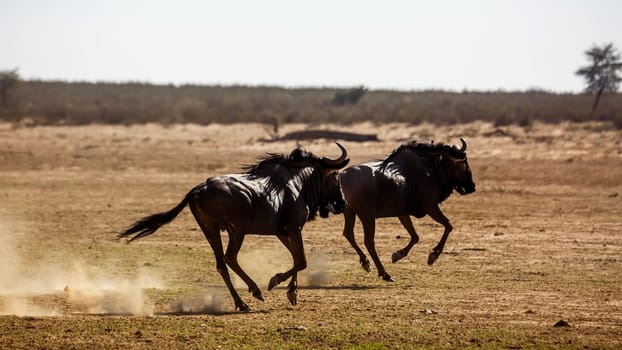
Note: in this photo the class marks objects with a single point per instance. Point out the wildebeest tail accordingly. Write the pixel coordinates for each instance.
(150, 224)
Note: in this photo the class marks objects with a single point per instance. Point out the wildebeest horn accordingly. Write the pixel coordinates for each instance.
(339, 162)
(463, 148)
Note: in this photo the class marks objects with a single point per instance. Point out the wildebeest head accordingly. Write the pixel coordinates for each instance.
(459, 170)
(332, 199)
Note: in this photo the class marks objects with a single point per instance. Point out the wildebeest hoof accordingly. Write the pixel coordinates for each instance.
(274, 281)
(292, 295)
(397, 256)
(387, 277)
(432, 257)
(243, 307)
(366, 266)
(257, 294)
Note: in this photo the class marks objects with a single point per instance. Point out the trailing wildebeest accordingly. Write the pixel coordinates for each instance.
(276, 196)
(412, 180)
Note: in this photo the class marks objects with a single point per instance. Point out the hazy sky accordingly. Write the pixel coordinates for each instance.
(477, 45)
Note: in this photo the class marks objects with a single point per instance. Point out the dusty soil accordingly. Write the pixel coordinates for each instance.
(539, 244)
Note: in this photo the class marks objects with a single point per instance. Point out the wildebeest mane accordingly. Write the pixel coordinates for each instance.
(270, 166)
(424, 149)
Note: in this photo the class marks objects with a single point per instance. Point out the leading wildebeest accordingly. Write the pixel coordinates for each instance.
(412, 180)
(276, 196)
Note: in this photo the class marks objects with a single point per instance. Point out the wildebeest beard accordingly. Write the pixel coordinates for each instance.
(328, 201)
(336, 204)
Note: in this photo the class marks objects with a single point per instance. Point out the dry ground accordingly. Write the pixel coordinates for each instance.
(539, 242)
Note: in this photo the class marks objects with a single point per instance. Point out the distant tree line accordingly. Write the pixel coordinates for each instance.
(77, 103)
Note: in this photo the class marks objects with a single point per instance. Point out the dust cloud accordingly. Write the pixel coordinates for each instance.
(207, 303)
(261, 264)
(318, 274)
(93, 291)
(26, 285)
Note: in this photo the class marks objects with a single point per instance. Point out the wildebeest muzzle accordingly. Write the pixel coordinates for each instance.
(334, 207)
(465, 188)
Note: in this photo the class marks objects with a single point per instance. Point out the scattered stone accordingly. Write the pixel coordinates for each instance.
(427, 312)
(499, 233)
(398, 237)
(497, 132)
(613, 195)
(530, 312)
(293, 328)
(561, 323)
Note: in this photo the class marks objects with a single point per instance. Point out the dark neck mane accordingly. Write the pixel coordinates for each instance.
(424, 149)
(279, 169)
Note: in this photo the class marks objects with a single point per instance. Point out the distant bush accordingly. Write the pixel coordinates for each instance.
(56, 103)
(351, 96)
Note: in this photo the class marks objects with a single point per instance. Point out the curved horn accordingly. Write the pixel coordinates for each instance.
(339, 162)
(463, 149)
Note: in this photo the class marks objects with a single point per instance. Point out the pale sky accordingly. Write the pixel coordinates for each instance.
(407, 45)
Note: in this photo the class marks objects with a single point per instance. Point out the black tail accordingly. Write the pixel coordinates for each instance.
(150, 224)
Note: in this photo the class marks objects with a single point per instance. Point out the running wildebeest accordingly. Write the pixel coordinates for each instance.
(413, 180)
(276, 196)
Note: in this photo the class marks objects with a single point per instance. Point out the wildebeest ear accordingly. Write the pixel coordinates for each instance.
(344, 163)
(337, 167)
(455, 160)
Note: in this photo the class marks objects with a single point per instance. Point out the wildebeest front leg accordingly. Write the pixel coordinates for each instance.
(369, 227)
(414, 238)
(292, 291)
(293, 242)
(439, 217)
(348, 232)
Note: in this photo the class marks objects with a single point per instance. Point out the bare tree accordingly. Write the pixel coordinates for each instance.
(602, 73)
(8, 80)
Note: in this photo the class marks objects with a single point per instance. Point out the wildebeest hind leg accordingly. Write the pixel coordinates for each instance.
(439, 217)
(369, 227)
(216, 242)
(348, 232)
(212, 234)
(231, 257)
(414, 238)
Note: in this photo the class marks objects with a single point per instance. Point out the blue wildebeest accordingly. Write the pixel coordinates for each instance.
(276, 196)
(412, 180)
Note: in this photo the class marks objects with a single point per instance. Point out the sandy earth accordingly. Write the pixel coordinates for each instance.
(539, 242)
